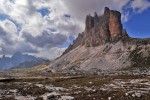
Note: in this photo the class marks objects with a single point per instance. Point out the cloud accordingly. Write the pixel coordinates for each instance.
(50, 53)
(46, 39)
(22, 47)
(10, 41)
(7, 32)
(134, 7)
(125, 16)
(27, 21)
(140, 5)
(41, 26)
(80, 8)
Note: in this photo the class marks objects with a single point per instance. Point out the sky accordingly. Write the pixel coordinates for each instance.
(45, 28)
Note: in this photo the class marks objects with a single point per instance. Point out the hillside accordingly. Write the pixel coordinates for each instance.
(104, 45)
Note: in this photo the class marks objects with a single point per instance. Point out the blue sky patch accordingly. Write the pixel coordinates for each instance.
(66, 44)
(3, 16)
(44, 11)
(71, 38)
(138, 25)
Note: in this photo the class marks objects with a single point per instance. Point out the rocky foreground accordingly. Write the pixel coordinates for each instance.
(77, 87)
(39, 84)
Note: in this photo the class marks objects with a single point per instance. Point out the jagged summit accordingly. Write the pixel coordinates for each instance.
(19, 60)
(100, 30)
(103, 29)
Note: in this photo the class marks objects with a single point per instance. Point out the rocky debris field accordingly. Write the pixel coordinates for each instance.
(79, 87)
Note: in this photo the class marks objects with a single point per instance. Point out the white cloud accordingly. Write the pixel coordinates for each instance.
(8, 31)
(10, 41)
(8, 26)
(50, 53)
(25, 14)
(80, 8)
(125, 16)
(140, 5)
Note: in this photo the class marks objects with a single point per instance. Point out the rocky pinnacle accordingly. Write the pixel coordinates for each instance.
(100, 30)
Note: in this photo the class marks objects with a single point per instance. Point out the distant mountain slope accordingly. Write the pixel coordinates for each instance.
(19, 60)
(104, 45)
(29, 64)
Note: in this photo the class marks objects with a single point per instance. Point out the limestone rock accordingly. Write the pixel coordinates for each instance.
(100, 30)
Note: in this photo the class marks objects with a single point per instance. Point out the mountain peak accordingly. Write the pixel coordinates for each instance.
(3, 56)
(103, 29)
(17, 54)
(106, 11)
(19, 60)
(100, 30)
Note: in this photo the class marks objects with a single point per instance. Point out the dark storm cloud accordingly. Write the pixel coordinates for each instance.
(46, 39)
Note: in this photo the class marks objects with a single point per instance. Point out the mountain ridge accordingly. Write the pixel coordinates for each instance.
(19, 60)
(104, 45)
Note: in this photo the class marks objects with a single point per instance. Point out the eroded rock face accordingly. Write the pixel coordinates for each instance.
(115, 25)
(103, 29)
(100, 30)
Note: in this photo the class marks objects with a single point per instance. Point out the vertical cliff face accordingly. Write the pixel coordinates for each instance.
(100, 30)
(115, 25)
(103, 29)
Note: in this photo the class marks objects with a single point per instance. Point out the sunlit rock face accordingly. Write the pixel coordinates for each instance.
(100, 30)
(103, 29)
